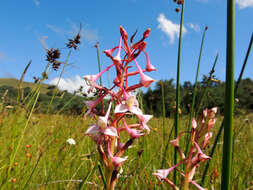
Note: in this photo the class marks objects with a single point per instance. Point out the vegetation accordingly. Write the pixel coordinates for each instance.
(151, 99)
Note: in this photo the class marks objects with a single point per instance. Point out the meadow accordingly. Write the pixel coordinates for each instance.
(45, 160)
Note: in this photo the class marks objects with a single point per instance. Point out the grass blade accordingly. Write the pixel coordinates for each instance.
(195, 90)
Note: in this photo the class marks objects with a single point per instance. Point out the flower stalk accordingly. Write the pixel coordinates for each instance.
(110, 124)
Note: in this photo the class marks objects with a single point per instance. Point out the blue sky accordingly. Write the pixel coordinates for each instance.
(25, 23)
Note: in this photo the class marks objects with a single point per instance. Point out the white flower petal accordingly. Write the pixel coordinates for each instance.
(111, 131)
(121, 108)
(94, 129)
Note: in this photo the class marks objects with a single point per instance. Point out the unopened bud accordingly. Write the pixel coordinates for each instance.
(177, 10)
(123, 33)
(146, 33)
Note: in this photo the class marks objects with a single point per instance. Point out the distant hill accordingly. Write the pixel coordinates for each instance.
(14, 83)
(70, 103)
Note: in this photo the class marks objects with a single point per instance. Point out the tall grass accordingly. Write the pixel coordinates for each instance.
(222, 125)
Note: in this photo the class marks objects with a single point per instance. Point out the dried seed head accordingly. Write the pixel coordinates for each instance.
(53, 54)
(177, 9)
(206, 28)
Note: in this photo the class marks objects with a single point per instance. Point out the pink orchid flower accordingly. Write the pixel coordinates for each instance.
(143, 120)
(200, 156)
(134, 134)
(117, 161)
(130, 104)
(91, 104)
(149, 66)
(98, 130)
(103, 120)
(162, 174)
(207, 137)
(145, 79)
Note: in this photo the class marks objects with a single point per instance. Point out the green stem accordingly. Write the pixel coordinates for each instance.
(164, 116)
(229, 99)
(178, 89)
(99, 64)
(163, 104)
(195, 91)
(207, 85)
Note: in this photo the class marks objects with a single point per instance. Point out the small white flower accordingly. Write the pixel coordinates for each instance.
(71, 141)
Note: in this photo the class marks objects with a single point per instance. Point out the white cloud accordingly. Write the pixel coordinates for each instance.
(89, 35)
(194, 27)
(70, 84)
(244, 3)
(169, 28)
(37, 3)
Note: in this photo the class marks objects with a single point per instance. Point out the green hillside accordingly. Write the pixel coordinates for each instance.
(14, 83)
(62, 101)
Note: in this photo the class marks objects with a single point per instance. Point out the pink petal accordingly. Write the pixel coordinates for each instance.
(111, 131)
(117, 161)
(121, 108)
(162, 174)
(194, 123)
(94, 129)
(149, 66)
(132, 132)
(135, 110)
(146, 80)
(144, 118)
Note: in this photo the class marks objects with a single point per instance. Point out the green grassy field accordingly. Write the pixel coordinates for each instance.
(44, 160)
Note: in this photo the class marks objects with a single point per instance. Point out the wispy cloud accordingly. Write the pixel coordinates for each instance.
(194, 27)
(169, 28)
(70, 84)
(55, 29)
(2, 55)
(36, 2)
(244, 3)
(87, 34)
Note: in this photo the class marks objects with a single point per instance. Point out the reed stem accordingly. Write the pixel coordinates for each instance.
(178, 88)
(229, 99)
